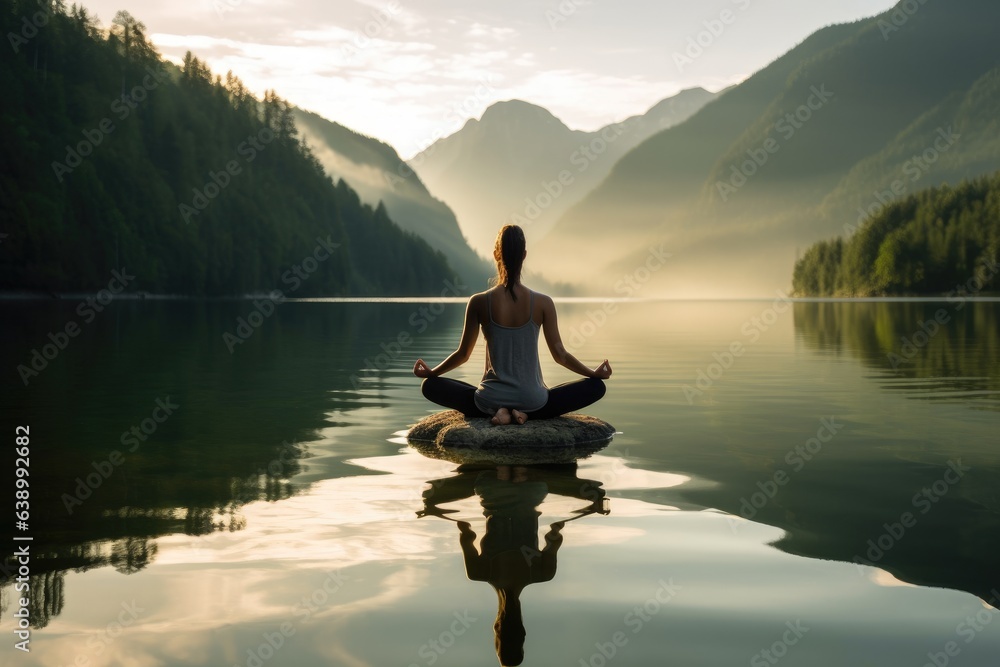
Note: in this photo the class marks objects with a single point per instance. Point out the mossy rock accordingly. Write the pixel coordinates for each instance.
(451, 436)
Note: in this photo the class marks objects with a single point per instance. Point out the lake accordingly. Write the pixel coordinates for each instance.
(808, 483)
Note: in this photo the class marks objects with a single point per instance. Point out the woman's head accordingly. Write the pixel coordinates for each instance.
(509, 252)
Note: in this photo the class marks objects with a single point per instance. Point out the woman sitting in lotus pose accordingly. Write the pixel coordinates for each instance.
(511, 316)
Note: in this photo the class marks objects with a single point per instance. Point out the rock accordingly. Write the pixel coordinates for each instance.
(453, 437)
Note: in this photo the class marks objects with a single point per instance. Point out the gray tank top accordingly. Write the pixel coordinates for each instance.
(514, 379)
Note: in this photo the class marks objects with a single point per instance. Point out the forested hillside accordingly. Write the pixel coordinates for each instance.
(956, 140)
(114, 158)
(939, 241)
(377, 173)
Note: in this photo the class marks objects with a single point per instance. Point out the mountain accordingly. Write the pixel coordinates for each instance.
(377, 173)
(784, 158)
(120, 168)
(520, 163)
(665, 114)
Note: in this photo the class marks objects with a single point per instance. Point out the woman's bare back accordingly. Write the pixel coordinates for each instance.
(509, 313)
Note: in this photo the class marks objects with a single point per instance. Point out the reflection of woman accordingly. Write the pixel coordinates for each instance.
(508, 557)
(511, 317)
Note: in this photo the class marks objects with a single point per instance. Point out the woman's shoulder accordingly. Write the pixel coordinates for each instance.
(479, 304)
(479, 297)
(543, 299)
(482, 297)
(540, 295)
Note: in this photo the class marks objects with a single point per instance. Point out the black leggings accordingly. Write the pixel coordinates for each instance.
(568, 397)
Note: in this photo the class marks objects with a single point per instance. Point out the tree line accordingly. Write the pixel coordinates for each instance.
(938, 241)
(113, 157)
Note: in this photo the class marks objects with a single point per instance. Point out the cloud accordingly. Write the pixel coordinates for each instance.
(401, 70)
(480, 30)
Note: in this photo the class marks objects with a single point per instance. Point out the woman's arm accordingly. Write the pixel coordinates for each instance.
(550, 326)
(470, 334)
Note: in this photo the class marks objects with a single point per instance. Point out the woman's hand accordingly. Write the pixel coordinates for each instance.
(421, 369)
(603, 372)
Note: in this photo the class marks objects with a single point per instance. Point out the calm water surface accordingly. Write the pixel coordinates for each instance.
(803, 487)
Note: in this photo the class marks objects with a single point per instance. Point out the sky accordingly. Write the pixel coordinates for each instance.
(411, 71)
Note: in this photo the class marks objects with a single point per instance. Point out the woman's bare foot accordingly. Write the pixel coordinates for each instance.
(501, 418)
(519, 416)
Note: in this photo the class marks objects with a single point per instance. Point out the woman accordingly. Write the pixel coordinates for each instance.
(511, 316)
